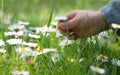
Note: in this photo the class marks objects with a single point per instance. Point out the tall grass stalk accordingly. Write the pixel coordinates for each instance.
(3, 16)
(83, 4)
(2, 3)
(51, 14)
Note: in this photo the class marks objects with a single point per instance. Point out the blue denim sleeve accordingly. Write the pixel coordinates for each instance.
(111, 12)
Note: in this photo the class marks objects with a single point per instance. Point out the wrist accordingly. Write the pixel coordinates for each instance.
(103, 23)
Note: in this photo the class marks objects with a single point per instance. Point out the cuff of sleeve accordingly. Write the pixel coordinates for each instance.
(111, 12)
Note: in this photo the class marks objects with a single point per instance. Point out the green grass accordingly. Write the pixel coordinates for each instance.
(40, 13)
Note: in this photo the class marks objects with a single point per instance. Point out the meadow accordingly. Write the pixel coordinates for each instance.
(31, 45)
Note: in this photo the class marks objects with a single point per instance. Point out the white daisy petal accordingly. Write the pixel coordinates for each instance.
(16, 27)
(20, 72)
(114, 25)
(9, 33)
(1, 42)
(115, 62)
(97, 69)
(2, 51)
(34, 36)
(30, 44)
(14, 41)
(55, 58)
(23, 23)
(46, 50)
(66, 42)
(54, 23)
(60, 18)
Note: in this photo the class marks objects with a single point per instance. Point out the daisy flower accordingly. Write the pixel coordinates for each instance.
(30, 53)
(66, 42)
(55, 58)
(34, 36)
(9, 33)
(13, 33)
(39, 30)
(115, 62)
(19, 34)
(54, 23)
(46, 50)
(23, 23)
(20, 73)
(97, 69)
(116, 26)
(43, 29)
(2, 51)
(47, 29)
(14, 41)
(1, 42)
(73, 60)
(27, 51)
(60, 18)
(30, 44)
(58, 34)
(103, 35)
(35, 53)
(102, 57)
(35, 29)
(23, 50)
(16, 27)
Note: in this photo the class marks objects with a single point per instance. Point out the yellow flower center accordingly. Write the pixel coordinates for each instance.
(42, 29)
(39, 49)
(16, 30)
(101, 56)
(20, 36)
(56, 58)
(30, 53)
(22, 49)
(117, 25)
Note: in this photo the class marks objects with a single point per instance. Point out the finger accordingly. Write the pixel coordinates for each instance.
(70, 15)
(71, 37)
(63, 32)
(70, 24)
(70, 19)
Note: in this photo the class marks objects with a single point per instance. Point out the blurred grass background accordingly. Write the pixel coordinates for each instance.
(38, 11)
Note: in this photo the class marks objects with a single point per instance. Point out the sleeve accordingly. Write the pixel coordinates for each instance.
(111, 12)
